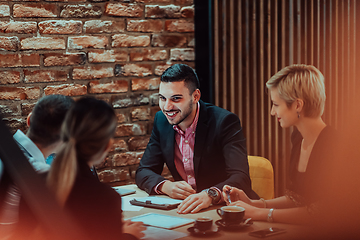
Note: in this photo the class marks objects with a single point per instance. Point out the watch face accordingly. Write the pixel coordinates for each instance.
(212, 193)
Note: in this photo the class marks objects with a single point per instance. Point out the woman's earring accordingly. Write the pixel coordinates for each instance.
(298, 114)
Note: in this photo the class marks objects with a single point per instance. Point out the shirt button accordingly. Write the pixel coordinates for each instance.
(186, 141)
(189, 176)
(185, 159)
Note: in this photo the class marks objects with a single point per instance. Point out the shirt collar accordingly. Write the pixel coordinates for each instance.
(32, 149)
(193, 125)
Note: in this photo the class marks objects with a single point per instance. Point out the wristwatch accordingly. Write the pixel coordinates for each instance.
(213, 194)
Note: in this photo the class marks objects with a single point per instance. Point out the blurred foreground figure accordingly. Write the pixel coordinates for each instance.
(87, 133)
(41, 140)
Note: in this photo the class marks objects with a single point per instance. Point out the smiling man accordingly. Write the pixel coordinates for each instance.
(202, 145)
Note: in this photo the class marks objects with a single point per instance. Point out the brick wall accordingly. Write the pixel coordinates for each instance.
(112, 50)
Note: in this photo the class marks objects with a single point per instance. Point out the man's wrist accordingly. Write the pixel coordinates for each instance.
(214, 194)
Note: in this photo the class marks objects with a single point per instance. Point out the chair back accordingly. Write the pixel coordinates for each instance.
(262, 176)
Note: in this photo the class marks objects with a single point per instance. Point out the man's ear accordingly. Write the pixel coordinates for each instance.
(197, 95)
(28, 119)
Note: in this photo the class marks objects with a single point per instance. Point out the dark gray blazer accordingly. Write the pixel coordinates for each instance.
(220, 155)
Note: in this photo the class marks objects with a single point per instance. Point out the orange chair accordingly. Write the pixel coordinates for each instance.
(262, 176)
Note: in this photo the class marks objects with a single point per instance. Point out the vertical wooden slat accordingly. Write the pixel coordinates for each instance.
(255, 39)
(216, 53)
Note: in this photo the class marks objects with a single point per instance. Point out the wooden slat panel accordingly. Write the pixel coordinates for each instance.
(255, 39)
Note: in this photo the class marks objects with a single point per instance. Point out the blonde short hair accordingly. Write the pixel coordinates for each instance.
(301, 81)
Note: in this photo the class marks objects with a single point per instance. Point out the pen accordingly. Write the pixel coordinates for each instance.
(228, 195)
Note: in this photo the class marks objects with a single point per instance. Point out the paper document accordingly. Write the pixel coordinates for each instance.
(162, 221)
(153, 233)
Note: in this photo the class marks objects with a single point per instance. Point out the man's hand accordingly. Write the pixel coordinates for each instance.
(178, 190)
(194, 203)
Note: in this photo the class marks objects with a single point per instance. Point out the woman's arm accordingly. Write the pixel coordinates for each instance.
(296, 215)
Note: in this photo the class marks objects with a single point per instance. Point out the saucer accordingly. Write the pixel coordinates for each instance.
(214, 229)
(235, 226)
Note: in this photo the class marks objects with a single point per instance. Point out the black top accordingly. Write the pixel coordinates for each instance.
(305, 188)
(95, 206)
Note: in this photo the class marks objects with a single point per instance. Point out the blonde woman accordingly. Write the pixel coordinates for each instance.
(298, 97)
(87, 133)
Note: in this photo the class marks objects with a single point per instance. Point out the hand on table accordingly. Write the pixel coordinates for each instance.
(178, 190)
(194, 203)
(134, 228)
(235, 195)
(250, 211)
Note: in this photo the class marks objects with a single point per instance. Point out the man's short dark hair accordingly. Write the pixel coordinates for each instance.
(179, 73)
(47, 117)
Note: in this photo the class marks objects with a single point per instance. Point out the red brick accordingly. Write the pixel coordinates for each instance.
(101, 26)
(35, 10)
(127, 158)
(168, 11)
(187, 12)
(9, 77)
(64, 0)
(87, 42)
(18, 27)
(144, 25)
(138, 84)
(132, 100)
(154, 100)
(182, 54)
(19, 60)
(45, 76)
(153, 1)
(15, 124)
(48, 43)
(168, 40)
(97, 56)
(121, 117)
(130, 129)
(184, 2)
(19, 93)
(138, 70)
(60, 27)
(148, 55)
(9, 110)
(124, 40)
(111, 87)
(26, 108)
(66, 89)
(138, 143)
(4, 10)
(113, 175)
(9, 43)
(191, 41)
(92, 72)
(124, 10)
(140, 114)
(64, 59)
(179, 26)
(81, 11)
(159, 69)
(119, 145)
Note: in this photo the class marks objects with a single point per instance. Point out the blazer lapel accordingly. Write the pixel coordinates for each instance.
(200, 137)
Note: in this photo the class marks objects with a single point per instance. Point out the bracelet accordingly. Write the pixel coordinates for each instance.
(263, 200)
(270, 215)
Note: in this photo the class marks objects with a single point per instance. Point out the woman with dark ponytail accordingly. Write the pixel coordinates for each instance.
(87, 133)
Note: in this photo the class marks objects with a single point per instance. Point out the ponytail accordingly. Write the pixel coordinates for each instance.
(62, 173)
